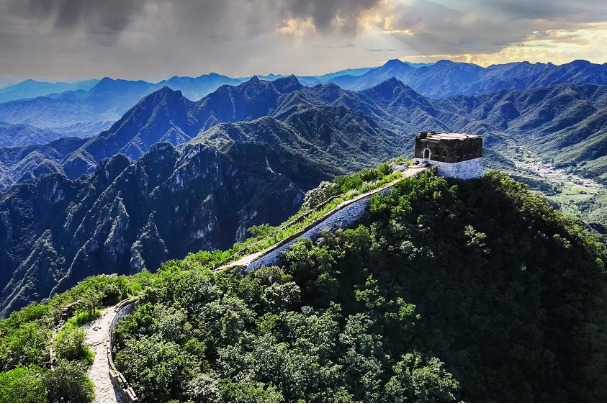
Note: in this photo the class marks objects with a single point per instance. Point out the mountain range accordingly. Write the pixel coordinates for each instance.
(32, 88)
(129, 214)
(446, 78)
(172, 175)
(84, 113)
(565, 122)
(94, 104)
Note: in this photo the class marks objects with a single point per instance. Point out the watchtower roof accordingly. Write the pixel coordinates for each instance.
(450, 136)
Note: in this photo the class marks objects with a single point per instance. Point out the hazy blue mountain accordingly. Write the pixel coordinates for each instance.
(106, 101)
(23, 135)
(86, 113)
(32, 88)
(195, 88)
(313, 80)
(18, 164)
(446, 78)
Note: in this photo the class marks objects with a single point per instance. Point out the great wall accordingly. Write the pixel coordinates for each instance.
(111, 386)
(343, 215)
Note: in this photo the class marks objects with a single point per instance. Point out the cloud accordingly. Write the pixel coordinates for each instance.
(154, 39)
(107, 17)
(456, 27)
(329, 15)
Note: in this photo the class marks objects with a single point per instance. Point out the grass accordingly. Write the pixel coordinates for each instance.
(84, 316)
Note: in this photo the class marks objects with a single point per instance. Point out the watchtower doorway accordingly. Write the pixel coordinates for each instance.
(427, 154)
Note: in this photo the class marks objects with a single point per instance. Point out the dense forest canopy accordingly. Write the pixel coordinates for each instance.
(474, 291)
(445, 291)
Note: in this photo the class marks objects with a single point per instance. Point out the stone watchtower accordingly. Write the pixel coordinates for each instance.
(457, 155)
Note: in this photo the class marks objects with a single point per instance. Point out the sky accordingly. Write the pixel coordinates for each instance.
(157, 39)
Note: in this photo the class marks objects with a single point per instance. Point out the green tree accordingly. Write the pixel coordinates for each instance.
(248, 392)
(26, 344)
(158, 370)
(23, 385)
(418, 378)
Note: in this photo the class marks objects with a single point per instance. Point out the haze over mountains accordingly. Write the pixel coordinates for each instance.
(566, 122)
(88, 110)
(193, 163)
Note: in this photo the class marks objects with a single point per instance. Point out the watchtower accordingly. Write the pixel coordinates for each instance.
(457, 155)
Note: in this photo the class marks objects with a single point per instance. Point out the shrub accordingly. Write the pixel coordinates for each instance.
(68, 382)
(69, 345)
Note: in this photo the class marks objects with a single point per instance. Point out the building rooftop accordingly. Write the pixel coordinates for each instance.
(450, 136)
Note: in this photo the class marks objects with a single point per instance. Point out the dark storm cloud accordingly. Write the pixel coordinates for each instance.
(113, 16)
(107, 17)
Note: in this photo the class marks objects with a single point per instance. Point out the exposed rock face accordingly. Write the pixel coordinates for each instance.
(131, 215)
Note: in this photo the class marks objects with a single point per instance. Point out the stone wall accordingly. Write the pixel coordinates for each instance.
(118, 380)
(464, 170)
(344, 217)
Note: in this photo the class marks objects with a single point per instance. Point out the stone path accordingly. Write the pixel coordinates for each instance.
(99, 372)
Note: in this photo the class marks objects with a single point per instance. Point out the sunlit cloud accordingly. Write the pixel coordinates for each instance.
(156, 38)
(298, 27)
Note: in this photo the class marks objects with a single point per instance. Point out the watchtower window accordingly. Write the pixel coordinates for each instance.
(427, 154)
(444, 154)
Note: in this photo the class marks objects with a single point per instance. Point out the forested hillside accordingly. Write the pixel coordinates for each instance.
(474, 291)
(445, 291)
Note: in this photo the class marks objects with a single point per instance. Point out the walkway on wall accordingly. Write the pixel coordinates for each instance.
(248, 259)
(97, 337)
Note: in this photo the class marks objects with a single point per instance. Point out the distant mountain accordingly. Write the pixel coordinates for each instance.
(567, 123)
(129, 214)
(322, 79)
(86, 113)
(24, 135)
(32, 88)
(562, 112)
(83, 113)
(195, 88)
(106, 101)
(18, 164)
(446, 78)
(166, 115)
